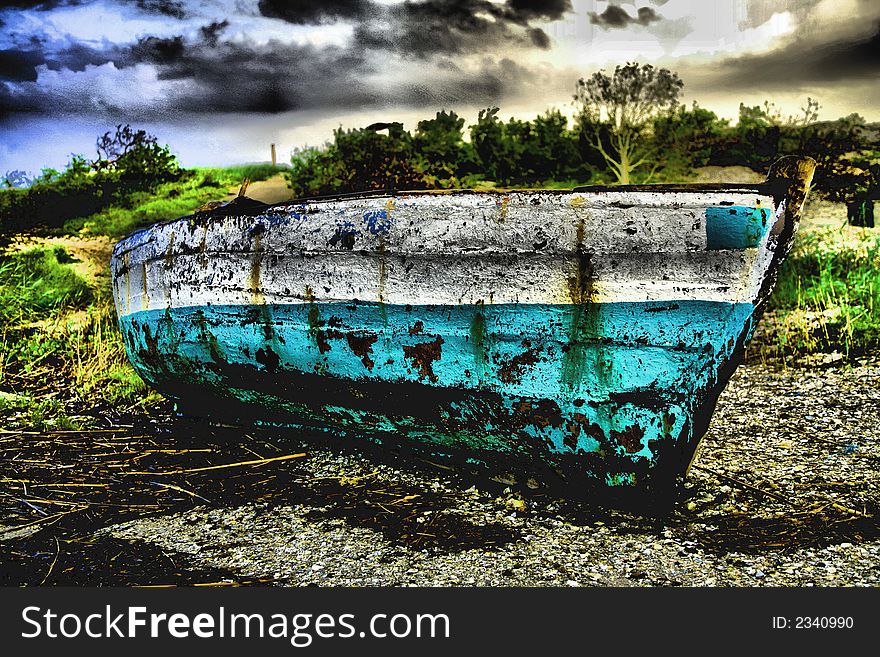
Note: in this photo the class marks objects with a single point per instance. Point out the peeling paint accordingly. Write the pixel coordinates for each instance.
(423, 355)
(362, 345)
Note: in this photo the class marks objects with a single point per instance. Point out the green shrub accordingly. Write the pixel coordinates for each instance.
(168, 201)
(129, 162)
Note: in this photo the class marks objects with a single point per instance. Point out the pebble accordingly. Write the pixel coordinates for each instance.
(724, 532)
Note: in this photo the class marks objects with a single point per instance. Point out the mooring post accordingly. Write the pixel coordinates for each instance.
(273, 155)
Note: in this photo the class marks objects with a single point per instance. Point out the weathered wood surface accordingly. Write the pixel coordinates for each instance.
(589, 331)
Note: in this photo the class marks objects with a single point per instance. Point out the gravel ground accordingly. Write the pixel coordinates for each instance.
(783, 492)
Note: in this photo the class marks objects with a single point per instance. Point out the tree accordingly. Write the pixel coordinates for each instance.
(314, 172)
(497, 153)
(854, 180)
(833, 144)
(369, 160)
(136, 158)
(549, 149)
(799, 128)
(621, 106)
(755, 140)
(445, 156)
(687, 138)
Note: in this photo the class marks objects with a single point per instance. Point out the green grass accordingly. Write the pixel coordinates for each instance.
(59, 343)
(37, 283)
(828, 294)
(168, 201)
(253, 172)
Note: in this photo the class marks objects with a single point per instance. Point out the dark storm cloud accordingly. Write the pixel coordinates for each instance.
(230, 78)
(270, 78)
(172, 8)
(488, 84)
(539, 38)
(550, 10)
(801, 62)
(154, 50)
(433, 27)
(200, 70)
(824, 51)
(211, 33)
(516, 11)
(615, 17)
(646, 16)
(220, 76)
(40, 5)
(274, 78)
(19, 66)
(303, 12)
(76, 56)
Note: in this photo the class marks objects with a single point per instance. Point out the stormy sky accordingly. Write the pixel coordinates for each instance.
(219, 80)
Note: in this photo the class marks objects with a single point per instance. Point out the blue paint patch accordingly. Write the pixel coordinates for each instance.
(287, 216)
(735, 226)
(378, 221)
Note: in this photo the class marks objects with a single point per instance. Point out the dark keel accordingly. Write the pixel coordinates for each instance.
(358, 411)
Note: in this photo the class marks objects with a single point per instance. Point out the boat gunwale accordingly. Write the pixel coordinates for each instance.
(764, 188)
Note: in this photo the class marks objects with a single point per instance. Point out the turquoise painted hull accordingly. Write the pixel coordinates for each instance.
(611, 394)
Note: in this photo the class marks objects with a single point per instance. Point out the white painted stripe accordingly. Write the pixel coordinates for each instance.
(532, 279)
(445, 252)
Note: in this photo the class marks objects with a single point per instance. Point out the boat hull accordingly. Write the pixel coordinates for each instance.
(504, 332)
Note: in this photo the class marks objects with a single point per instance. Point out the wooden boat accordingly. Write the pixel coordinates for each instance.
(584, 333)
